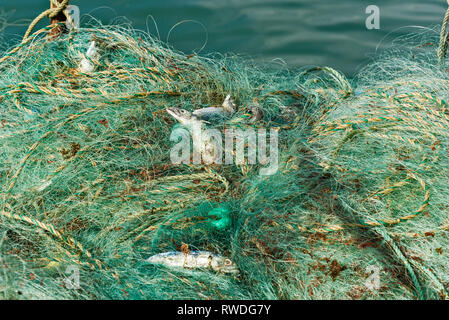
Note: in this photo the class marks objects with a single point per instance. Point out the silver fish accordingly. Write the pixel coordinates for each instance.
(257, 113)
(229, 105)
(224, 111)
(203, 142)
(211, 113)
(184, 117)
(195, 260)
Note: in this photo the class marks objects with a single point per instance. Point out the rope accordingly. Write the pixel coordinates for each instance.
(339, 78)
(378, 225)
(24, 42)
(398, 253)
(395, 249)
(70, 241)
(50, 13)
(444, 38)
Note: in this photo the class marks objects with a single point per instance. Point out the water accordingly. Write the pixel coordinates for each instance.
(295, 32)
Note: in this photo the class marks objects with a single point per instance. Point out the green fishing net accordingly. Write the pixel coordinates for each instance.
(87, 184)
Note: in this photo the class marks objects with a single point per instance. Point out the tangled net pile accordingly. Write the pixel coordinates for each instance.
(86, 178)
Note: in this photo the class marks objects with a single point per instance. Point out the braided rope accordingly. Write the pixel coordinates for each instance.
(50, 13)
(24, 42)
(339, 78)
(81, 93)
(397, 252)
(324, 229)
(33, 148)
(411, 120)
(66, 239)
(444, 38)
(344, 84)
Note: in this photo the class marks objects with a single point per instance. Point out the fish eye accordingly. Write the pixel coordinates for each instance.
(227, 262)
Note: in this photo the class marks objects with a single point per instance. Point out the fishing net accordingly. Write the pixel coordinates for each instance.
(87, 184)
(386, 148)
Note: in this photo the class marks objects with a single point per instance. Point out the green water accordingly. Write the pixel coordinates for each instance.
(292, 32)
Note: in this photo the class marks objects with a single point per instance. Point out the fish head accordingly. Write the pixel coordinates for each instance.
(257, 113)
(183, 116)
(229, 104)
(225, 265)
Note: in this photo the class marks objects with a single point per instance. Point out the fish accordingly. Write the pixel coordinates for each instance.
(226, 110)
(229, 105)
(257, 113)
(203, 142)
(289, 113)
(184, 117)
(86, 65)
(195, 260)
(210, 113)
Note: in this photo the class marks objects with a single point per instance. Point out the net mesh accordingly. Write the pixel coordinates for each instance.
(86, 179)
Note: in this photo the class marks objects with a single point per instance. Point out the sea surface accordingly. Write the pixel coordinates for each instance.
(297, 33)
